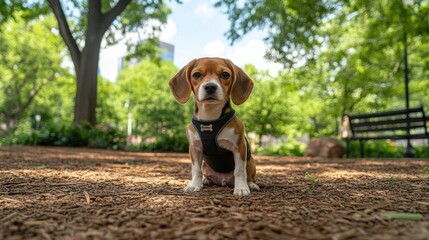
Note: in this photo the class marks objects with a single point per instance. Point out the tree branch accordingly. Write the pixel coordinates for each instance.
(65, 32)
(34, 94)
(353, 105)
(110, 16)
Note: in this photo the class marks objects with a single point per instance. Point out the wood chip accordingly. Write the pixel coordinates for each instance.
(87, 197)
(135, 202)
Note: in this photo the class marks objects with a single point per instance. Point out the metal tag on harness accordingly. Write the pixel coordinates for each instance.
(208, 128)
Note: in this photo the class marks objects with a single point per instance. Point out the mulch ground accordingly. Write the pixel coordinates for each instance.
(75, 193)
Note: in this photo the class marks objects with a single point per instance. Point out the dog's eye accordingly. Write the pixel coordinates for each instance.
(225, 75)
(197, 75)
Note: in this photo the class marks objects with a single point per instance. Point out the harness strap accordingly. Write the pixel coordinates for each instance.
(219, 159)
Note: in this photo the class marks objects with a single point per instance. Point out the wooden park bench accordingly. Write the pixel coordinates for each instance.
(394, 125)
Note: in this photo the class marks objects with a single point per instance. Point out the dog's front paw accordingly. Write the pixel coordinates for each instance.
(193, 187)
(241, 191)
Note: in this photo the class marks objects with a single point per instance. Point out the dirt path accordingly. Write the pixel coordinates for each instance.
(69, 193)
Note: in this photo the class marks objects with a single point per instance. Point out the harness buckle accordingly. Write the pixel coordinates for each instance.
(208, 128)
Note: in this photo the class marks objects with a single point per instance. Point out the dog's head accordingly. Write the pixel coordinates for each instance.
(212, 80)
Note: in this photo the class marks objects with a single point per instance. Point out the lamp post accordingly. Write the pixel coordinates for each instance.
(409, 152)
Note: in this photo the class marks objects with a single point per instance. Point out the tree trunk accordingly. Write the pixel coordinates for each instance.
(86, 76)
(86, 73)
(10, 123)
(86, 61)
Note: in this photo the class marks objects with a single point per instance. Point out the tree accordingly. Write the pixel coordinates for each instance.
(54, 103)
(30, 60)
(364, 54)
(346, 56)
(10, 7)
(155, 112)
(89, 21)
(268, 109)
(296, 29)
(293, 27)
(110, 110)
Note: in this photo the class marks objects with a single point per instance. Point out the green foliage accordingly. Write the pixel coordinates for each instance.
(83, 25)
(391, 179)
(293, 25)
(402, 216)
(138, 16)
(266, 111)
(82, 135)
(425, 170)
(9, 7)
(30, 63)
(313, 179)
(298, 30)
(110, 104)
(292, 148)
(341, 57)
(385, 149)
(167, 144)
(155, 112)
(54, 103)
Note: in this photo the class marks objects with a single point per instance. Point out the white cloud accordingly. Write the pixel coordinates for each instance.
(168, 31)
(214, 48)
(204, 11)
(252, 52)
(109, 60)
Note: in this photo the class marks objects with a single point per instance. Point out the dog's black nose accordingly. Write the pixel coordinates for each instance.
(210, 88)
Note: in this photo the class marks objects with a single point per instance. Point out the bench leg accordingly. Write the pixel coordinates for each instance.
(361, 149)
(428, 146)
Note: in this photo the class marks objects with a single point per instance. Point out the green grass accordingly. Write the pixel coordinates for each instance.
(313, 179)
(425, 170)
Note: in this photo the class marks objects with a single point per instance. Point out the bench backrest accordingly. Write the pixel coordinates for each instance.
(392, 124)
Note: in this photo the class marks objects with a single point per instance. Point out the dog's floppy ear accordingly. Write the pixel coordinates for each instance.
(179, 84)
(242, 86)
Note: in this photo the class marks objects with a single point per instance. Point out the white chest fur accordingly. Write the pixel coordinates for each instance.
(227, 139)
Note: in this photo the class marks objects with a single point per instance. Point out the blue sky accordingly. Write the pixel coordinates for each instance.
(196, 29)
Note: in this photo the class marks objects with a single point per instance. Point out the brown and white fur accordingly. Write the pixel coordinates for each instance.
(226, 81)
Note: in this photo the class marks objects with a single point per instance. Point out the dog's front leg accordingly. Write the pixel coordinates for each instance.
(241, 188)
(196, 183)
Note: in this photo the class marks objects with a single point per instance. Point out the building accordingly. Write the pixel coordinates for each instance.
(166, 53)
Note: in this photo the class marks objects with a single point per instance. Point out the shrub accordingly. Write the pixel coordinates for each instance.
(292, 148)
(165, 143)
(74, 135)
(384, 149)
(84, 135)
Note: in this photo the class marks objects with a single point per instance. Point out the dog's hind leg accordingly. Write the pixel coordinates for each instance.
(253, 186)
(251, 174)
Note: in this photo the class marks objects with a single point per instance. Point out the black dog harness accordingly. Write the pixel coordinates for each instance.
(219, 159)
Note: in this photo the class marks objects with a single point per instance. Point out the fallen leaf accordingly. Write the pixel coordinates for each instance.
(402, 216)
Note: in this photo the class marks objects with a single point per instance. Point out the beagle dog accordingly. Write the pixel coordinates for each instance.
(218, 148)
